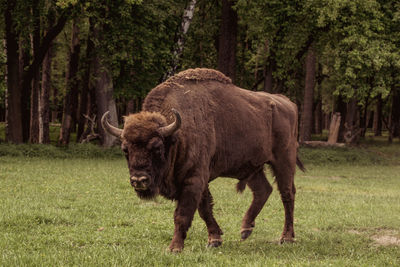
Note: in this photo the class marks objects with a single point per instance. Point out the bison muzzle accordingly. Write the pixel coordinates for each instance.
(198, 126)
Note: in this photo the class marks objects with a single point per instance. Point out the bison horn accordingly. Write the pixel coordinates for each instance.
(108, 127)
(173, 127)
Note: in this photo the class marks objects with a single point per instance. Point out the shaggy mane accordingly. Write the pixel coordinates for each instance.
(199, 74)
(142, 126)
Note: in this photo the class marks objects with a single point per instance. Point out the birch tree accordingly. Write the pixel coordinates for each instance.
(178, 48)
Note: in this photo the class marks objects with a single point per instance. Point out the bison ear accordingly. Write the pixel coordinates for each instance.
(173, 127)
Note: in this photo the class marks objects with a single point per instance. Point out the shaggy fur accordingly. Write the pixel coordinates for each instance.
(142, 126)
(225, 131)
(199, 75)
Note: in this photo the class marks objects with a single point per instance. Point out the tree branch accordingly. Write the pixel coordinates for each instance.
(44, 47)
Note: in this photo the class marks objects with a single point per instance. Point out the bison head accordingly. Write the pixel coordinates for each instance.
(146, 140)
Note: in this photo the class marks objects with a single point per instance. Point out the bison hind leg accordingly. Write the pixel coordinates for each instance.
(261, 189)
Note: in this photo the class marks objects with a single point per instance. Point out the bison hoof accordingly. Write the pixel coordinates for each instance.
(245, 233)
(286, 240)
(174, 248)
(214, 243)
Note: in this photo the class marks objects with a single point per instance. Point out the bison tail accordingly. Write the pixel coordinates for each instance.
(300, 164)
(241, 186)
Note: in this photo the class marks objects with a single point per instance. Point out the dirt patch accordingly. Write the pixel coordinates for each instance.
(353, 231)
(386, 240)
(381, 237)
(386, 237)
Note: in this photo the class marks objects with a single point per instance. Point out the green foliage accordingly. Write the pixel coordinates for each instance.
(200, 46)
(83, 212)
(363, 55)
(66, 3)
(278, 31)
(135, 42)
(357, 43)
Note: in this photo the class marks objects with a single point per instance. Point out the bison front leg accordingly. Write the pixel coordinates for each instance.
(206, 213)
(186, 207)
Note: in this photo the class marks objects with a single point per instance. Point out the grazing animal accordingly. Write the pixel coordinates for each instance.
(198, 126)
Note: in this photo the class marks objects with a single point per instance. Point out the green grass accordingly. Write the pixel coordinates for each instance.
(75, 207)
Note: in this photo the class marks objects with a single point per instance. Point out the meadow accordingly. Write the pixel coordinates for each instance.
(75, 207)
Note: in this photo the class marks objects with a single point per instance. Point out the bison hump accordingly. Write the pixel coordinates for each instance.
(199, 74)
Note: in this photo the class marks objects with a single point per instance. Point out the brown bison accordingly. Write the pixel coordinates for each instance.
(198, 126)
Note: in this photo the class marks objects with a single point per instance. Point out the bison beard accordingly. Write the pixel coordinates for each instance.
(198, 126)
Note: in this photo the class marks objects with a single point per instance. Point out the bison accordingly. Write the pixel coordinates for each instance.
(198, 126)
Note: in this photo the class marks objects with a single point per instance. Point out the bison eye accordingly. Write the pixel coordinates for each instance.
(124, 149)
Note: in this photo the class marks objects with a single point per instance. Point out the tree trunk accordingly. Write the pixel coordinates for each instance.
(103, 91)
(327, 121)
(84, 108)
(351, 114)
(318, 117)
(3, 110)
(14, 114)
(306, 115)
(71, 87)
(5, 94)
(178, 49)
(268, 74)
(104, 100)
(24, 58)
(269, 68)
(54, 111)
(364, 119)
(31, 71)
(75, 54)
(35, 90)
(44, 136)
(227, 40)
(20, 78)
(334, 128)
(395, 114)
(34, 112)
(341, 107)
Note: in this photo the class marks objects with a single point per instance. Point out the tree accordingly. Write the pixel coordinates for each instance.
(356, 43)
(306, 115)
(44, 108)
(228, 40)
(85, 101)
(181, 35)
(35, 94)
(72, 82)
(14, 116)
(17, 16)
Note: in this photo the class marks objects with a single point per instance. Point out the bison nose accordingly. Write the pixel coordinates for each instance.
(140, 183)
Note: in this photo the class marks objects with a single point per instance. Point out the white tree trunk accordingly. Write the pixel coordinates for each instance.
(178, 50)
(334, 128)
(104, 100)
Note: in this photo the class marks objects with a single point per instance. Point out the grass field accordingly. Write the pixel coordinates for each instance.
(75, 207)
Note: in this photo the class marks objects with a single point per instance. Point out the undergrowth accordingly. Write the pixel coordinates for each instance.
(51, 151)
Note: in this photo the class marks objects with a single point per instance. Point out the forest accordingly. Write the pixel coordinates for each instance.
(66, 62)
